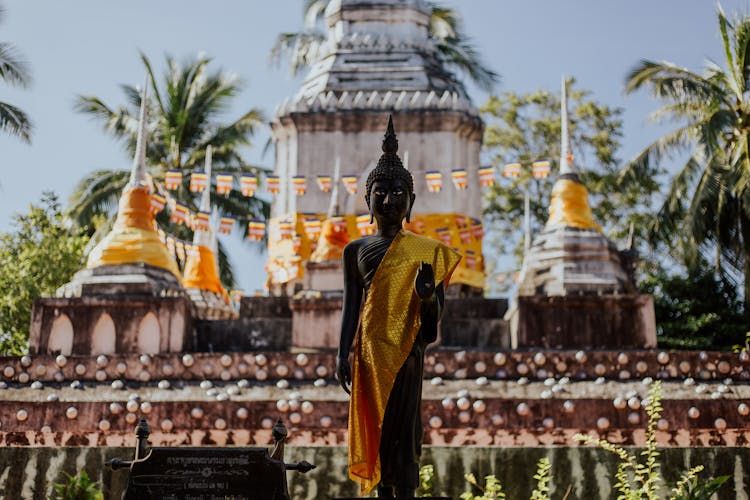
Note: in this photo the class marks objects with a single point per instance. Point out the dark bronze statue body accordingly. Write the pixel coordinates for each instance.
(390, 197)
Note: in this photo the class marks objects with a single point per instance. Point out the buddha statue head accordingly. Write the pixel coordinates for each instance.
(390, 187)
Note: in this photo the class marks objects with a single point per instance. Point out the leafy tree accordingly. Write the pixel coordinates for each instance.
(454, 47)
(526, 127)
(14, 71)
(706, 211)
(39, 256)
(696, 308)
(185, 116)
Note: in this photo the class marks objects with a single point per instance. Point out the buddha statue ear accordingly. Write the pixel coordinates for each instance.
(411, 204)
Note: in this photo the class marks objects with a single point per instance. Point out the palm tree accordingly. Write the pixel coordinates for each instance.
(14, 71)
(706, 211)
(184, 115)
(454, 47)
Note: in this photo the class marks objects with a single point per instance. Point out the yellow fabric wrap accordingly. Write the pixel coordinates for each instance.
(200, 272)
(390, 321)
(133, 238)
(569, 206)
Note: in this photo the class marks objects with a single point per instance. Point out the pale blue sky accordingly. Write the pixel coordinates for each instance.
(90, 47)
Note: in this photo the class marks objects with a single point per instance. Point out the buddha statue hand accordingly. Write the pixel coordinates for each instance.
(344, 373)
(424, 284)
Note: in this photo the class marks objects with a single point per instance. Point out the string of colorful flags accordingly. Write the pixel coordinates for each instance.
(434, 179)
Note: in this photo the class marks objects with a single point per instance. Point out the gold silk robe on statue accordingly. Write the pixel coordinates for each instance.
(390, 321)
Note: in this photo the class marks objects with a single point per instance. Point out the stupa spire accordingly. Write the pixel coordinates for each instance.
(138, 171)
(206, 195)
(567, 166)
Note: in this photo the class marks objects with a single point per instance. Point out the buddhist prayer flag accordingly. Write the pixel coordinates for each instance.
(540, 169)
(312, 226)
(296, 244)
(363, 225)
(461, 220)
(202, 221)
(225, 225)
(272, 184)
(162, 236)
(248, 184)
(158, 202)
(180, 213)
(256, 230)
(339, 224)
(486, 176)
(350, 183)
(173, 179)
(286, 228)
(465, 235)
(171, 246)
(324, 183)
(471, 259)
(477, 230)
(224, 183)
(512, 170)
(299, 183)
(191, 249)
(434, 181)
(180, 247)
(444, 234)
(198, 182)
(460, 178)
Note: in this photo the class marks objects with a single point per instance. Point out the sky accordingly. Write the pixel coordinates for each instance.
(90, 47)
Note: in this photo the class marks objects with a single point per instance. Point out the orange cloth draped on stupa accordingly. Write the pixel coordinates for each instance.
(332, 241)
(389, 325)
(569, 206)
(133, 238)
(200, 272)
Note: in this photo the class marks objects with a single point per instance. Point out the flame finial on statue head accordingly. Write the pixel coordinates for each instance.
(389, 165)
(390, 143)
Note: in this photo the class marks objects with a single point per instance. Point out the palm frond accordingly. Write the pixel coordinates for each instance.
(13, 69)
(300, 48)
(669, 81)
(98, 193)
(314, 11)
(15, 121)
(724, 28)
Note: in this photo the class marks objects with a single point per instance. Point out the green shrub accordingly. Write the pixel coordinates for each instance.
(78, 487)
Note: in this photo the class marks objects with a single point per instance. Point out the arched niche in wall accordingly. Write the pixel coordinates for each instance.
(61, 336)
(149, 334)
(103, 336)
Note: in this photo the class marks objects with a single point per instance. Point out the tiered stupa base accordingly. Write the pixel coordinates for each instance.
(478, 406)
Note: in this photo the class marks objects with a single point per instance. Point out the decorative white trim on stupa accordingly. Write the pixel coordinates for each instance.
(376, 100)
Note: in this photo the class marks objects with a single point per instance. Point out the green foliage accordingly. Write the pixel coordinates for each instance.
(426, 475)
(78, 487)
(706, 210)
(36, 258)
(491, 490)
(526, 127)
(688, 487)
(543, 478)
(696, 308)
(13, 71)
(185, 115)
(641, 479)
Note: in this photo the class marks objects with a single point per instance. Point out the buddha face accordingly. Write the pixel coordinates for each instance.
(390, 202)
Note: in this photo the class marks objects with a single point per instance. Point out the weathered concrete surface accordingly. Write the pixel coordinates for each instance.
(587, 321)
(29, 472)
